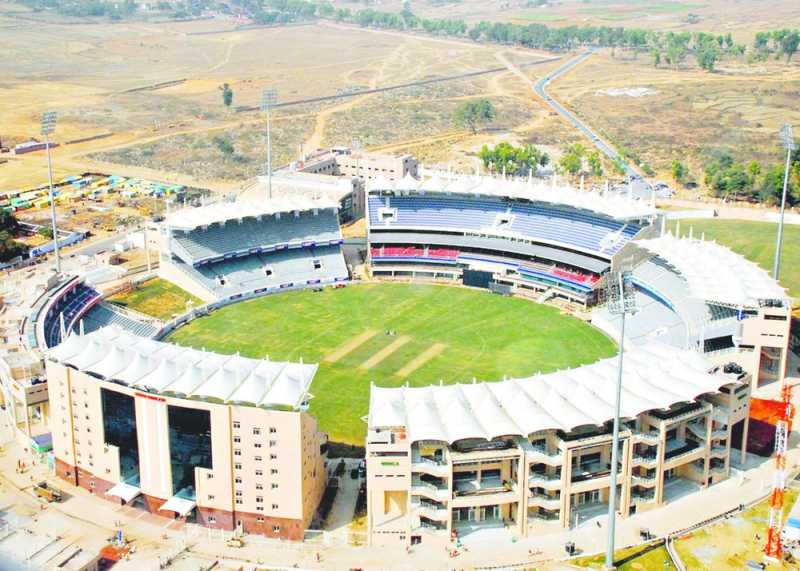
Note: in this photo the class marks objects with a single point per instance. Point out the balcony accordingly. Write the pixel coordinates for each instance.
(682, 450)
(540, 454)
(429, 465)
(419, 486)
(647, 437)
(544, 501)
(487, 491)
(592, 471)
(637, 499)
(646, 460)
(429, 511)
(644, 481)
(547, 481)
(719, 451)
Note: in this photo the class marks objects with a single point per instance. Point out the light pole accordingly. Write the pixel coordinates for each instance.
(788, 141)
(621, 298)
(48, 127)
(268, 100)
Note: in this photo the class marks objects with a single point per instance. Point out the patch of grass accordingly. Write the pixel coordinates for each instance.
(486, 337)
(652, 560)
(731, 543)
(158, 298)
(756, 242)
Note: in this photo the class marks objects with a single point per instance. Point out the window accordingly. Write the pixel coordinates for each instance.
(259, 500)
(259, 472)
(317, 264)
(257, 445)
(237, 452)
(238, 492)
(259, 508)
(273, 456)
(256, 431)
(259, 486)
(239, 501)
(209, 476)
(273, 471)
(210, 497)
(276, 528)
(237, 439)
(238, 480)
(274, 506)
(258, 458)
(237, 424)
(212, 519)
(259, 520)
(237, 466)
(273, 442)
(274, 486)
(273, 430)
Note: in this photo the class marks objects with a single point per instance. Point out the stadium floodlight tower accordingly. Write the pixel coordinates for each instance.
(621, 298)
(788, 141)
(48, 127)
(268, 100)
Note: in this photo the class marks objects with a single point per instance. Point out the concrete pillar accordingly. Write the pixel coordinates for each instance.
(707, 461)
(566, 478)
(660, 452)
(745, 430)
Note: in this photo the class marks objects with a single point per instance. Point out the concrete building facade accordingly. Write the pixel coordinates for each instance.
(234, 466)
(546, 479)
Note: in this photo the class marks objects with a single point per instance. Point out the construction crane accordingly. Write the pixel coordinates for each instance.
(783, 428)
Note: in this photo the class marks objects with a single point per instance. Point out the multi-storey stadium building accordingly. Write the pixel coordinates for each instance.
(223, 441)
(533, 453)
(521, 238)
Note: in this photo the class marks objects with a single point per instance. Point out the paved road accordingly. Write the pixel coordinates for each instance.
(639, 185)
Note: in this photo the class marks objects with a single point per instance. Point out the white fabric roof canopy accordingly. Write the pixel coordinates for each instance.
(655, 376)
(612, 205)
(116, 355)
(715, 273)
(191, 218)
(178, 505)
(124, 492)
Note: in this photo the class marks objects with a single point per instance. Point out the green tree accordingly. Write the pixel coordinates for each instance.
(656, 58)
(595, 164)
(9, 248)
(472, 114)
(680, 172)
(772, 188)
(46, 232)
(572, 159)
(224, 145)
(515, 161)
(227, 94)
(707, 56)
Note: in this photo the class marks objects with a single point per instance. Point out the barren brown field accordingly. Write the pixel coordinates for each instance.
(687, 113)
(84, 71)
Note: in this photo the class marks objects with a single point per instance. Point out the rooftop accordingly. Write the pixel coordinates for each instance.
(715, 273)
(612, 205)
(656, 376)
(115, 355)
(219, 212)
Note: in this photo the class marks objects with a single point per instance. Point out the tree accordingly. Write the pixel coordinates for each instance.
(472, 114)
(9, 248)
(789, 42)
(753, 170)
(227, 94)
(772, 188)
(619, 166)
(680, 172)
(224, 145)
(595, 164)
(707, 56)
(656, 58)
(46, 232)
(515, 161)
(572, 159)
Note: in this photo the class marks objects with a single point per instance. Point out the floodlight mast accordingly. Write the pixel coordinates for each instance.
(268, 100)
(48, 127)
(788, 141)
(621, 299)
